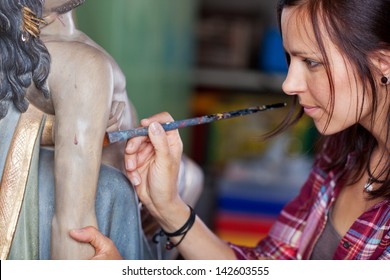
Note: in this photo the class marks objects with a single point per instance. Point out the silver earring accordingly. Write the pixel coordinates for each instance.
(384, 80)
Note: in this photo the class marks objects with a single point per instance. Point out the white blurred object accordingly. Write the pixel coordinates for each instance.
(191, 181)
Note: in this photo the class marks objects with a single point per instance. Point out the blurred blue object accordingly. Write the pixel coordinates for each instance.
(272, 58)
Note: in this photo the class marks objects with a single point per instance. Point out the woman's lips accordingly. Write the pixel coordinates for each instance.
(310, 110)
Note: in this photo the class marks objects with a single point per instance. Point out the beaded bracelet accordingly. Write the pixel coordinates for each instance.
(180, 232)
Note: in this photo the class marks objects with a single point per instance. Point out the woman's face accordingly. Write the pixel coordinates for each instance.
(307, 77)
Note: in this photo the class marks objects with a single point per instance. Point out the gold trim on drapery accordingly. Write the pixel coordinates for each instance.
(16, 171)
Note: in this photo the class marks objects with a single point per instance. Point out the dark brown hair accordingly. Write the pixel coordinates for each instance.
(358, 28)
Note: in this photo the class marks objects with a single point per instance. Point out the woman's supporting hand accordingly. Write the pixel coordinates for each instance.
(105, 249)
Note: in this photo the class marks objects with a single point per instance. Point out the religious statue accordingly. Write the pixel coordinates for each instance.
(71, 181)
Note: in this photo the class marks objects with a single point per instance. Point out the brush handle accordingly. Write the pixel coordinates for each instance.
(117, 136)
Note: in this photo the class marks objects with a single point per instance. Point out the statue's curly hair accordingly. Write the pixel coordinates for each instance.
(24, 59)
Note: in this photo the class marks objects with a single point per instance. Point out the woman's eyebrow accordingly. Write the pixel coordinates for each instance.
(300, 53)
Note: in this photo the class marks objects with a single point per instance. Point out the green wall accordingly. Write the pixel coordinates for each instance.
(153, 42)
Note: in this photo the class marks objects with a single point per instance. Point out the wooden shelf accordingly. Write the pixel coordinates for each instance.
(248, 80)
(264, 10)
(242, 5)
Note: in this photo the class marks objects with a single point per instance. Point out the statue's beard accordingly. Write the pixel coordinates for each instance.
(68, 6)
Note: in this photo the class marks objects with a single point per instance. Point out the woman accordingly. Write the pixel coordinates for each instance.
(338, 52)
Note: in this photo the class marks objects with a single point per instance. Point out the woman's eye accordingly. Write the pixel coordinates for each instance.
(311, 63)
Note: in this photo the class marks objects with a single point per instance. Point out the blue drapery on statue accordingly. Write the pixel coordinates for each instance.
(117, 209)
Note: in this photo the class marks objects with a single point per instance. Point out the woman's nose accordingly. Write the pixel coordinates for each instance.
(294, 82)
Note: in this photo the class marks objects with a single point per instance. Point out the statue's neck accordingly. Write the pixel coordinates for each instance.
(58, 25)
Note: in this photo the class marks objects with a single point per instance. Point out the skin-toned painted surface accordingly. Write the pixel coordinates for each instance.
(88, 98)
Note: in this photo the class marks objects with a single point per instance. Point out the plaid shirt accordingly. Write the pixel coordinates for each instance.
(301, 222)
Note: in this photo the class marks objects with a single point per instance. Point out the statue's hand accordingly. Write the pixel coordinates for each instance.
(116, 116)
(105, 249)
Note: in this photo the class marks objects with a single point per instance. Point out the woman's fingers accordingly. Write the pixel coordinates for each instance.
(160, 118)
(105, 249)
(137, 153)
(159, 140)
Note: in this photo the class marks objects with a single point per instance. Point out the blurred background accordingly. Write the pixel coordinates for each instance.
(196, 57)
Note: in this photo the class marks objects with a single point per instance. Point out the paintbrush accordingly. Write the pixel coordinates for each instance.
(122, 135)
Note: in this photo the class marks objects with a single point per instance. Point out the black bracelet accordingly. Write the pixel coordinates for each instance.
(180, 232)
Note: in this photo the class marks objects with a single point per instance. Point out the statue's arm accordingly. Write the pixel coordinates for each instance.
(81, 96)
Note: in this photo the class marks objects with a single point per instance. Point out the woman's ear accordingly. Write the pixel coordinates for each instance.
(383, 59)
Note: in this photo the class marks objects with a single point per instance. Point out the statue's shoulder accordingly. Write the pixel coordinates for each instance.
(75, 55)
